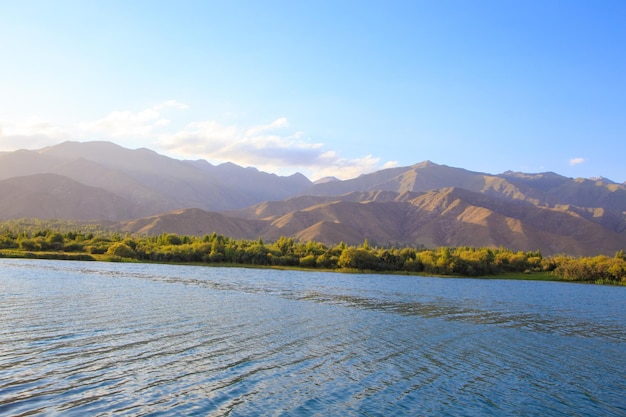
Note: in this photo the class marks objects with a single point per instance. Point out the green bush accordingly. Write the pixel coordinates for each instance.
(307, 261)
(121, 250)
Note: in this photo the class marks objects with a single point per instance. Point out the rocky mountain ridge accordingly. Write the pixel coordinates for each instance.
(425, 204)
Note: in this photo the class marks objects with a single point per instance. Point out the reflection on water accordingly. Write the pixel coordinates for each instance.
(133, 339)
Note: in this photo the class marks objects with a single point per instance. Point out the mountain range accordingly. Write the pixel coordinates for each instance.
(426, 204)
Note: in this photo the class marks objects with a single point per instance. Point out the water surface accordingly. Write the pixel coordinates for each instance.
(82, 338)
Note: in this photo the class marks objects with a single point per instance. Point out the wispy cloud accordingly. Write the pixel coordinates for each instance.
(171, 104)
(276, 124)
(252, 145)
(269, 146)
(273, 146)
(37, 133)
(32, 134)
(120, 124)
(576, 161)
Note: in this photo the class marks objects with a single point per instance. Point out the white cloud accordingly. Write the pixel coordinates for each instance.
(173, 104)
(276, 124)
(390, 164)
(576, 161)
(37, 133)
(119, 124)
(31, 134)
(265, 147)
(256, 145)
(345, 168)
(272, 147)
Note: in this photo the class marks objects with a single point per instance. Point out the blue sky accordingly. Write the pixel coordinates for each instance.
(324, 87)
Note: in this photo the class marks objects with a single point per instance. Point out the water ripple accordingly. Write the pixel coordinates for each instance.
(139, 340)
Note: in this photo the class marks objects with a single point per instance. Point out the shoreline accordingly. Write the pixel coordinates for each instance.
(544, 276)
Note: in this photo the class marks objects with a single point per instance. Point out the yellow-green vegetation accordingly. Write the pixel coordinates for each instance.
(90, 243)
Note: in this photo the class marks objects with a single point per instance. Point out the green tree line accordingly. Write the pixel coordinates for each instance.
(92, 243)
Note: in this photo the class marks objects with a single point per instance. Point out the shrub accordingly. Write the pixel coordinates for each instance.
(121, 250)
(307, 261)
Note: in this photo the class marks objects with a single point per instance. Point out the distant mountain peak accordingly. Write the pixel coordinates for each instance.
(602, 180)
(325, 180)
(69, 144)
(229, 165)
(525, 175)
(299, 176)
(425, 164)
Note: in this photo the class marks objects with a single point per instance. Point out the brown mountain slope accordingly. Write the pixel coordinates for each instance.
(458, 217)
(444, 218)
(423, 177)
(448, 217)
(270, 210)
(600, 201)
(577, 192)
(539, 189)
(380, 221)
(565, 220)
(193, 222)
(330, 233)
(51, 196)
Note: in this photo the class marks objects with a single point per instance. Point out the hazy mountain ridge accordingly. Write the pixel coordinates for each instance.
(54, 196)
(422, 204)
(157, 183)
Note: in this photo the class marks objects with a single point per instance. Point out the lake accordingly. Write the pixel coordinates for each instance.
(87, 338)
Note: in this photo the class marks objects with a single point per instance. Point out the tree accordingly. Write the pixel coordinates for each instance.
(30, 245)
(169, 239)
(55, 241)
(360, 258)
(347, 259)
(307, 261)
(121, 250)
(285, 245)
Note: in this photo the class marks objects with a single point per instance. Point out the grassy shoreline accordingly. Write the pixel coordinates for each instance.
(86, 257)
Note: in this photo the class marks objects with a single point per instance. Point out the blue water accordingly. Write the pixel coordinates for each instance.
(83, 338)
